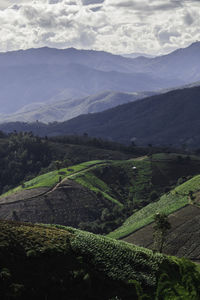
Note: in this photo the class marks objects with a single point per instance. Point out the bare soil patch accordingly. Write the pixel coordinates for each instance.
(23, 195)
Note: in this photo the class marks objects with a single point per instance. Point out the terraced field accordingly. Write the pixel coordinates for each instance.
(183, 239)
(168, 204)
(44, 183)
(99, 195)
(182, 206)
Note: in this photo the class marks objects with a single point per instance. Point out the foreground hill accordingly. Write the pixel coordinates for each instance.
(97, 195)
(171, 118)
(40, 262)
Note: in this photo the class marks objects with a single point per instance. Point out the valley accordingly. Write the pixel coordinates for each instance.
(94, 147)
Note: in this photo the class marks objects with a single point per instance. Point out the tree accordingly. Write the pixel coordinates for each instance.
(161, 227)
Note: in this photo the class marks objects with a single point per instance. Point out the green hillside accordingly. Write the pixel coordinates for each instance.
(50, 179)
(24, 156)
(168, 203)
(68, 263)
(98, 196)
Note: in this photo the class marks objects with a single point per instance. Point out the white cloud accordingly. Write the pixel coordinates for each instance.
(119, 26)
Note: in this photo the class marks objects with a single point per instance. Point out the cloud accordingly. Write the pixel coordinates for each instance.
(188, 19)
(87, 2)
(146, 5)
(119, 26)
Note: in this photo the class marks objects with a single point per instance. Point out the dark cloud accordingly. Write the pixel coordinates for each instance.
(87, 2)
(188, 19)
(54, 1)
(97, 8)
(58, 1)
(164, 36)
(148, 6)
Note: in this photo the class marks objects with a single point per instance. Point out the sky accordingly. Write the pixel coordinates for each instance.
(118, 26)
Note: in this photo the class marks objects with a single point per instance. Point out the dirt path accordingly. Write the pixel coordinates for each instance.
(30, 194)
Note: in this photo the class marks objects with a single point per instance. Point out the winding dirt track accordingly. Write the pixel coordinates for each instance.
(30, 194)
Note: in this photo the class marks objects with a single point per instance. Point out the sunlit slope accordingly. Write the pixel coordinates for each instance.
(50, 179)
(97, 196)
(179, 197)
(65, 262)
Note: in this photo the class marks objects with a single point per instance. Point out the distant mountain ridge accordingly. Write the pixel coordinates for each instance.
(170, 118)
(46, 74)
(137, 54)
(44, 83)
(182, 64)
(70, 108)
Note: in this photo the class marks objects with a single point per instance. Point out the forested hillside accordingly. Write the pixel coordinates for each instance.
(167, 119)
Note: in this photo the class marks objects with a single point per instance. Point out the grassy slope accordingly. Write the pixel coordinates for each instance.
(62, 261)
(141, 179)
(168, 203)
(93, 180)
(120, 189)
(52, 178)
(84, 174)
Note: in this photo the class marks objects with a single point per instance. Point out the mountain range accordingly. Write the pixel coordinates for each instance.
(48, 75)
(67, 109)
(171, 118)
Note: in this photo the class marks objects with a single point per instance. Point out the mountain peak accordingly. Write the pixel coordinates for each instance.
(195, 44)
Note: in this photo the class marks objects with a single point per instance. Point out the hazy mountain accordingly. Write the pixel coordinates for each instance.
(99, 60)
(64, 110)
(45, 74)
(171, 118)
(20, 86)
(70, 108)
(182, 64)
(137, 54)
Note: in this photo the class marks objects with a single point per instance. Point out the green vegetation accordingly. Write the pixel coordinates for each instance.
(113, 191)
(24, 156)
(161, 227)
(52, 178)
(95, 184)
(190, 185)
(168, 203)
(58, 261)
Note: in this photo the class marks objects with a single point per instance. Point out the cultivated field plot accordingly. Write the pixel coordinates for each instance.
(182, 240)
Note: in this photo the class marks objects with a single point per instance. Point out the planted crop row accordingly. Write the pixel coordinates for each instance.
(167, 204)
